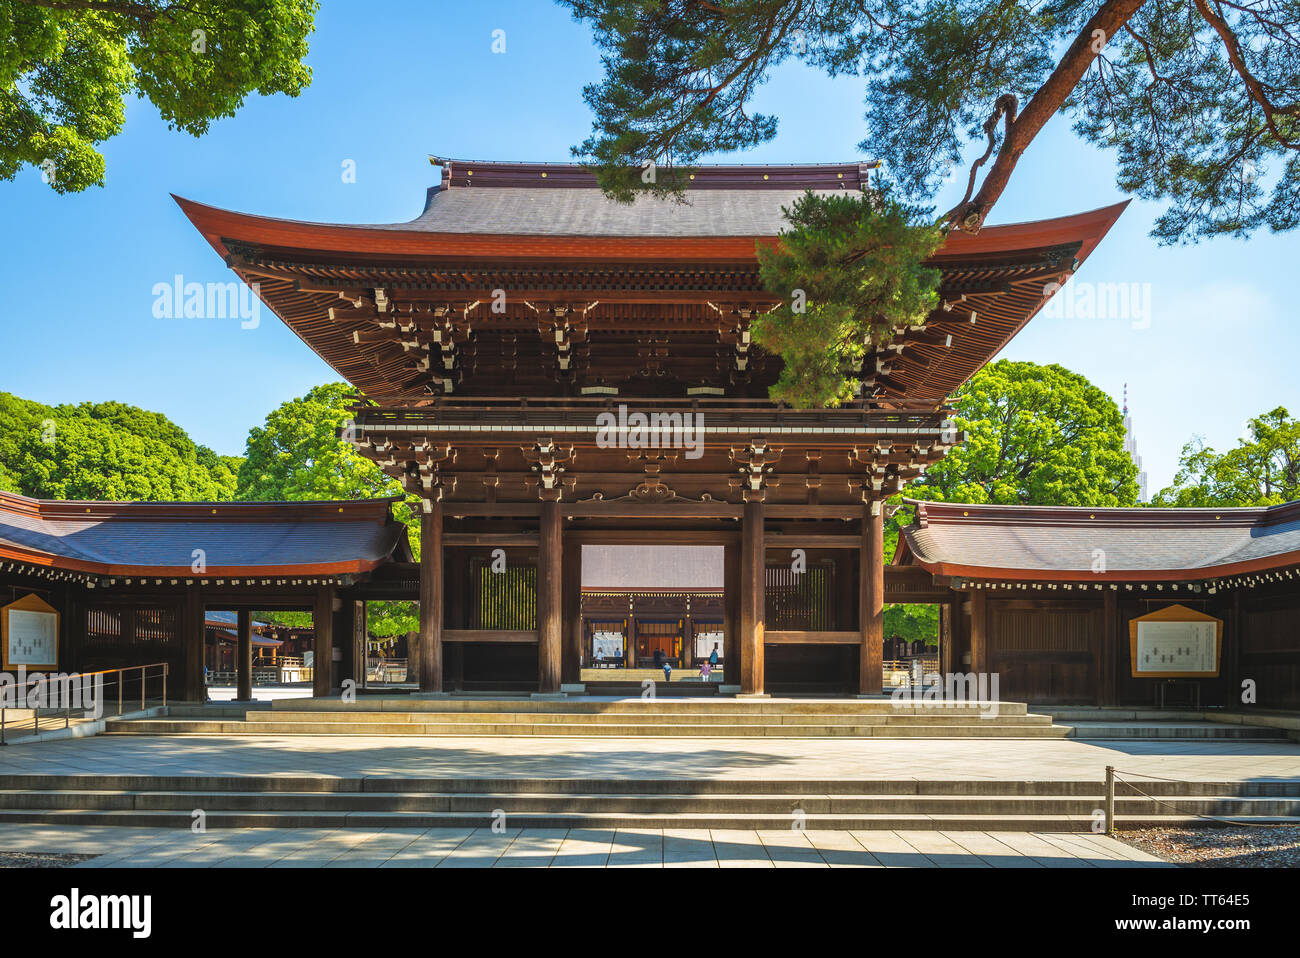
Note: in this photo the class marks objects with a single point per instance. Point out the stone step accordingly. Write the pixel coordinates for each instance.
(676, 717)
(514, 704)
(581, 730)
(775, 804)
(1172, 730)
(684, 788)
(299, 819)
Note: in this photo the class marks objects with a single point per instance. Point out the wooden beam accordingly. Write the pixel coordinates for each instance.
(796, 540)
(429, 668)
(491, 636)
(785, 637)
(871, 599)
(550, 599)
(470, 539)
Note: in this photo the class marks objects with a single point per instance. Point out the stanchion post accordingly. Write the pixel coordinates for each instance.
(1110, 799)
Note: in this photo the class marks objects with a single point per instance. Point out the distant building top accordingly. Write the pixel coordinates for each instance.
(1130, 447)
(1100, 544)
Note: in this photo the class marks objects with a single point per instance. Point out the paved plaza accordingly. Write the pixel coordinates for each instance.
(571, 848)
(352, 756)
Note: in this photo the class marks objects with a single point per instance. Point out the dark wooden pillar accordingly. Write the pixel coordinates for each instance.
(550, 599)
(322, 621)
(429, 667)
(350, 632)
(571, 614)
(244, 656)
(753, 599)
(1108, 656)
(948, 613)
(978, 632)
(194, 641)
(846, 591)
(871, 599)
(456, 561)
(731, 613)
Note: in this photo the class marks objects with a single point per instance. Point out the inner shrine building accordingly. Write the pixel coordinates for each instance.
(548, 370)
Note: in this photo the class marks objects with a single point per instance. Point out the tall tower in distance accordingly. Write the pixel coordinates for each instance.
(1130, 447)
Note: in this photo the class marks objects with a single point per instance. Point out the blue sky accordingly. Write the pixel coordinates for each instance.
(395, 81)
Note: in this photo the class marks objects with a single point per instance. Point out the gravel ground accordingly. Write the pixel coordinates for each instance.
(1208, 846)
(39, 860)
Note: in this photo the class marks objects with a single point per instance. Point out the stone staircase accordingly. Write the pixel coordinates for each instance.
(389, 802)
(713, 718)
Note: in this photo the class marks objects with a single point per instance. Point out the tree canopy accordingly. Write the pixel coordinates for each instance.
(1262, 470)
(67, 66)
(1200, 99)
(850, 272)
(297, 454)
(105, 450)
(1035, 435)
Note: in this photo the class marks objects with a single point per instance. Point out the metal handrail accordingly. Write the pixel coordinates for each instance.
(32, 684)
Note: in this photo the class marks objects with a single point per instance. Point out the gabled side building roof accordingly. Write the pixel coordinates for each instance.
(1068, 544)
(199, 540)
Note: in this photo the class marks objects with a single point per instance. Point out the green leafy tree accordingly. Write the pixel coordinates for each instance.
(105, 451)
(850, 272)
(1035, 435)
(297, 454)
(67, 66)
(1263, 469)
(19, 419)
(1199, 98)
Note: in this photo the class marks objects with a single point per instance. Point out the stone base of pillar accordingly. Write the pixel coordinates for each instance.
(575, 688)
(728, 689)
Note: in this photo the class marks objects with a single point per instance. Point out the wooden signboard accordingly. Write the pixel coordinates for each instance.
(29, 634)
(1175, 642)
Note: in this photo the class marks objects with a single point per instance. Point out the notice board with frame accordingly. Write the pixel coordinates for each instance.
(29, 635)
(1175, 642)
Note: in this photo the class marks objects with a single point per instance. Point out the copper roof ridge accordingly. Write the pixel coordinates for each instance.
(1010, 513)
(441, 160)
(66, 509)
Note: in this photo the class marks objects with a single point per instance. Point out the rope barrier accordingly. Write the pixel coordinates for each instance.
(1115, 773)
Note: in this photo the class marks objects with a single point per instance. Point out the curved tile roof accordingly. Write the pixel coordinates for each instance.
(1058, 543)
(237, 538)
(547, 211)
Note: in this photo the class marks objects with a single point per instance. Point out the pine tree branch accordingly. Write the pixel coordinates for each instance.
(969, 215)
